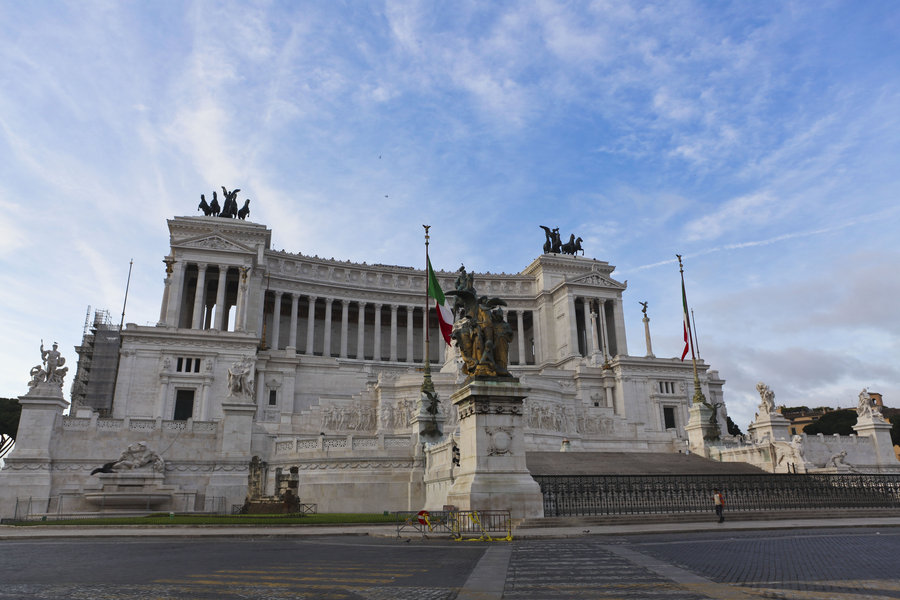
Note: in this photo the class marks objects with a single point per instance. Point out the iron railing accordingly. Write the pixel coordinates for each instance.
(482, 525)
(56, 508)
(585, 495)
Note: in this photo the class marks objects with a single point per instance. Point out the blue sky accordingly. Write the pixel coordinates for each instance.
(761, 140)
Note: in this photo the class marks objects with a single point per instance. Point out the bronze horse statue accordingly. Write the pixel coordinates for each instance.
(245, 211)
(573, 246)
(204, 206)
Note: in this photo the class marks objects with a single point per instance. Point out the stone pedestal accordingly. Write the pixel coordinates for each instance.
(699, 428)
(237, 429)
(772, 426)
(40, 407)
(492, 472)
(879, 432)
(229, 482)
(138, 489)
(27, 470)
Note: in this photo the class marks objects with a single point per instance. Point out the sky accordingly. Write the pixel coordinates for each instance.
(760, 140)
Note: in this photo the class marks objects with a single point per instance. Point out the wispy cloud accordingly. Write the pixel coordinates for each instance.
(758, 142)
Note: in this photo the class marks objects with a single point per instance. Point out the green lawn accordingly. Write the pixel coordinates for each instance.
(237, 520)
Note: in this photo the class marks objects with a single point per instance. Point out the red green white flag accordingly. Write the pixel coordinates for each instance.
(687, 323)
(444, 314)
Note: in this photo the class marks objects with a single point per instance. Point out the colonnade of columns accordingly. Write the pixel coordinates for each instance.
(369, 344)
(593, 330)
(202, 312)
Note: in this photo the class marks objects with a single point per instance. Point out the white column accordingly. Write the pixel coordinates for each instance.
(361, 331)
(203, 410)
(276, 322)
(163, 396)
(261, 400)
(311, 326)
(573, 326)
(240, 319)
(588, 342)
(199, 297)
(173, 306)
(601, 316)
(345, 305)
(262, 311)
(520, 332)
(221, 314)
(394, 308)
(376, 355)
(597, 354)
(326, 349)
(163, 309)
(409, 333)
(167, 290)
(536, 319)
(619, 327)
(292, 341)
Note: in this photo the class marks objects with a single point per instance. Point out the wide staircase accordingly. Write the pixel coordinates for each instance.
(603, 487)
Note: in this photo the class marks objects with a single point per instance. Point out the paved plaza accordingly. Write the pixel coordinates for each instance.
(698, 561)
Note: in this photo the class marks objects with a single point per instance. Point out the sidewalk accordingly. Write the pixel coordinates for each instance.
(10, 532)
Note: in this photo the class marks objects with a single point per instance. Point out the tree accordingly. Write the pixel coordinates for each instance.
(733, 429)
(838, 421)
(10, 410)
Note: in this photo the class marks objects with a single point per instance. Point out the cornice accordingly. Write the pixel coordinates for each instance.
(177, 337)
(181, 228)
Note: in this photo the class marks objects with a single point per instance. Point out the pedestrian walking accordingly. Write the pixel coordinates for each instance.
(719, 501)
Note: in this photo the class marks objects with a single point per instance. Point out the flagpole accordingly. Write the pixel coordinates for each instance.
(698, 398)
(696, 336)
(427, 418)
(427, 355)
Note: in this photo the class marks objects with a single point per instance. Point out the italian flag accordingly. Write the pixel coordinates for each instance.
(444, 315)
(687, 323)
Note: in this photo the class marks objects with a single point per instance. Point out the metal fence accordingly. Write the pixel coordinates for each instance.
(585, 495)
(62, 507)
(481, 525)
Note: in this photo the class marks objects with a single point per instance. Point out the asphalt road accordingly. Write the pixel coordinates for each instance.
(792, 564)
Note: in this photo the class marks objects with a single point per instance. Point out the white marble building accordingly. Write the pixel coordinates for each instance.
(335, 353)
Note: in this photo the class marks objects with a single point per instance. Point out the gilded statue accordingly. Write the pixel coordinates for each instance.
(481, 333)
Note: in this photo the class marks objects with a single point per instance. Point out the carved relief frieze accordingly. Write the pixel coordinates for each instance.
(471, 407)
(597, 280)
(213, 242)
(15, 465)
(348, 418)
(398, 415)
(359, 465)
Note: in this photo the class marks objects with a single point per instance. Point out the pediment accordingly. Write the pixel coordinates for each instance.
(597, 280)
(212, 242)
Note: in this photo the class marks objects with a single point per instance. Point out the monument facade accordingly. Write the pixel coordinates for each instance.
(271, 371)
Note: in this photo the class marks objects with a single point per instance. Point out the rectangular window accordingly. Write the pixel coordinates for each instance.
(184, 405)
(273, 397)
(187, 365)
(669, 416)
(666, 387)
